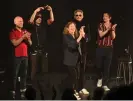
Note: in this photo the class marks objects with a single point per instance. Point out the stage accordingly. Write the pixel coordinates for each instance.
(51, 84)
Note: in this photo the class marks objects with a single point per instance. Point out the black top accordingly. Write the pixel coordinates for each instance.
(71, 53)
(38, 37)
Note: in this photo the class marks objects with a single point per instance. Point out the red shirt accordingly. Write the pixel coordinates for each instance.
(21, 49)
(105, 41)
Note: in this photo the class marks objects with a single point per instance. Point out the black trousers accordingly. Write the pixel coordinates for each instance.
(82, 67)
(71, 80)
(38, 63)
(103, 62)
(20, 68)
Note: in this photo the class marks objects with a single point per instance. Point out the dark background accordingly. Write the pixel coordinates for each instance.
(121, 11)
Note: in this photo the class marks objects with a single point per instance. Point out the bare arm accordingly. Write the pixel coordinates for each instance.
(82, 34)
(32, 17)
(79, 38)
(34, 14)
(18, 41)
(102, 33)
(51, 19)
(28, 37)
(30, 42)
(113, 34)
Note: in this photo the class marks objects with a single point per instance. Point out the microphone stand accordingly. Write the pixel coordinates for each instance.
(130, 65)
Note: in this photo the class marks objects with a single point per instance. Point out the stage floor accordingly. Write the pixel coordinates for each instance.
(47, 81)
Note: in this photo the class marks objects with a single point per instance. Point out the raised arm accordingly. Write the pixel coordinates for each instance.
(32, 18)
(51, 19)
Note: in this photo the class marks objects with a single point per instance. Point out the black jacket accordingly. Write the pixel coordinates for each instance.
(71, 53)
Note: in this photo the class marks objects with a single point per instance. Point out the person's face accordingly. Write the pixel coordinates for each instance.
(78, 16)
(19, 22)
(71, 28)
(106, 17)
(38, 20)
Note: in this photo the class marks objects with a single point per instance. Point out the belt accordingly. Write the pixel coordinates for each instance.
(104, 46)
(36, 52)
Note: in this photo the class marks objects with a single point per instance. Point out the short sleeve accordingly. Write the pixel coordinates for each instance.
(12, 35)
(100, 27)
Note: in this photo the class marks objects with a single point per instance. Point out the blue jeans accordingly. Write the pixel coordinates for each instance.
(20, 68)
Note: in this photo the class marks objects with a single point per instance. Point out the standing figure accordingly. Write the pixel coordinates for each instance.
(105, 37)
(83, 48)
(71, 53)
(20, 39)
(38, 28)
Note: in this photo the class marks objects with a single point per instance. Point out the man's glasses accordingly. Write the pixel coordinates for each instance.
(78, 15)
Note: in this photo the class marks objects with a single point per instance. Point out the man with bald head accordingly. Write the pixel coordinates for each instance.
(18, 21)
(20, 39)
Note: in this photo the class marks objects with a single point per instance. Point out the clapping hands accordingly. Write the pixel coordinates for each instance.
(81, 31)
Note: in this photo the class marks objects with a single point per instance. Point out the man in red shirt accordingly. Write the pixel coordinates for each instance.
(20, 38)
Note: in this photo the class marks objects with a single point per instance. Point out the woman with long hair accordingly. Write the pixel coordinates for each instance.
(71, 39)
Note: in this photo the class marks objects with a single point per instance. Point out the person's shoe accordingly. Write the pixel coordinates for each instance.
(84, 94)
(85, 91)
(23, 95)
(106, 88)
(99, 83)
(76, 94)
(22, 91)
(13, 94)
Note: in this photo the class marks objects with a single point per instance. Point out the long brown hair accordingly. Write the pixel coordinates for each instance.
(65, 31)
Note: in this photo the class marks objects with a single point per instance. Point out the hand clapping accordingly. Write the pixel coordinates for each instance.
(26, 35)
(113, 27)
(81, 31)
